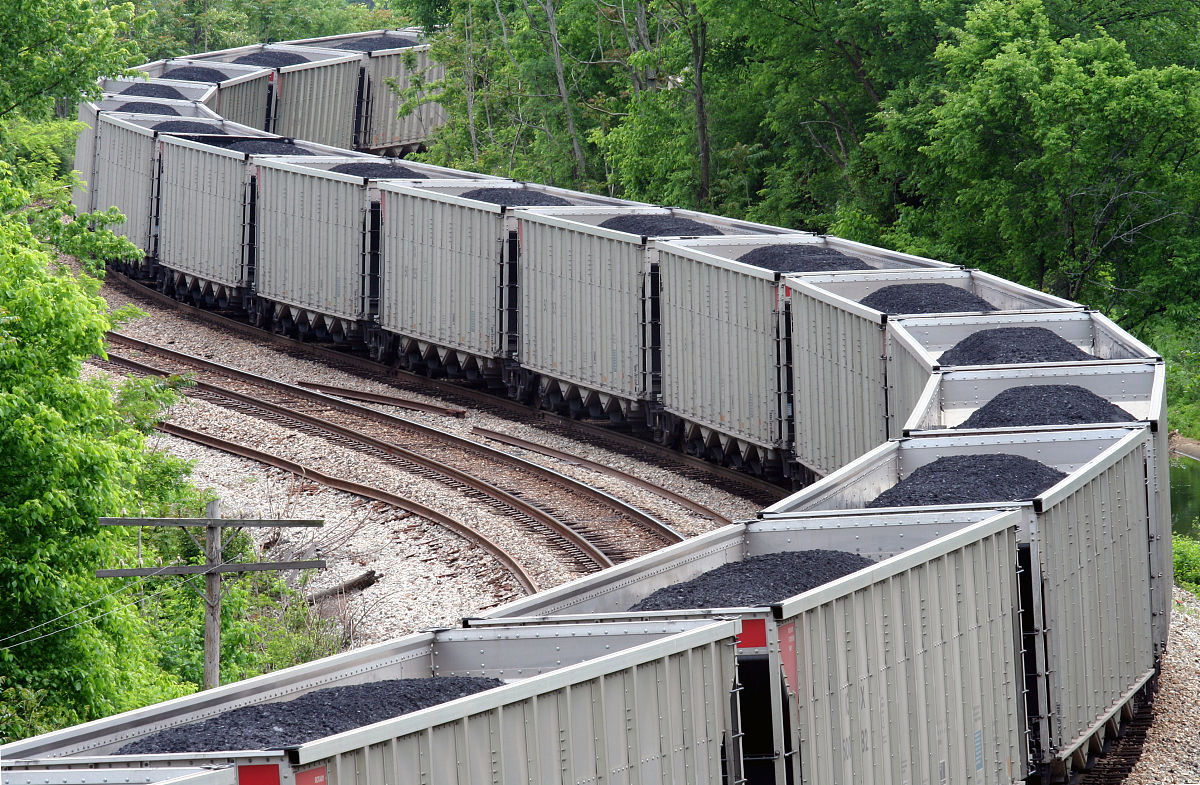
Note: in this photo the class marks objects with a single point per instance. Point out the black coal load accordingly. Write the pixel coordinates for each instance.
(314, 715)
(270, 58)
(188, 127)
(925, 298)
(1005, 345)
(660, 226)
(515, 197)
(261, 146)
(801, 258)
(970, 479)
(195, 73)
(152, 90)
(755, 582)
(377, 42)
(378, 171)
(1045, 404)
(147, 107)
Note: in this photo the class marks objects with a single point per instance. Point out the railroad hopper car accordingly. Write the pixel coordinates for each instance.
(649, 702)
(1089, 582)
(451, 283)
(829, 692)
(243, 91)
(590, 338)
(818, 380)
(396, 60)
(720, 312)
(137, 776)
(313, 93)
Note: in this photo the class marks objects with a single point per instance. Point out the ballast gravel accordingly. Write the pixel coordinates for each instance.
(152, 90)
(660, 226)
(376, 42)
(270, 58)
(1004, 345)
(755, 582)
(378, 171)
(925, 298)
(147, 107)
(314, 715)
(516, 197)
(801, 258)
(195, 73)
(970, 479)
(188, 127)
(1045, 404)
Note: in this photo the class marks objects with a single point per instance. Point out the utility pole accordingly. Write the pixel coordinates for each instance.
(212, 569)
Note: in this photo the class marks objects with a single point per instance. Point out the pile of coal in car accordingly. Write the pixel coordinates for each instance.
(195, 73)
(188, 127)
(801, 258)
(515, 197)
(375, 42)
(925, 298)
(263, 146)
(970, 479)
(1045, 404)
(147, 107)
(152, 90)
(755, 582)
(654, 225)
(314, 715)
(270, 58)
(377, 171)
(1004, 345)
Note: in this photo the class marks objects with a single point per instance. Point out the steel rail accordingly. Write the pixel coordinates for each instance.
(590, 553)
(377, 494)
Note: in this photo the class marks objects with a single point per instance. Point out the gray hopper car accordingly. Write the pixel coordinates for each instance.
(242, 97)
(650, 701)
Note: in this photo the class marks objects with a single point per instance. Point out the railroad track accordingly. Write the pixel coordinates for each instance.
(456, 395)
(596, 529)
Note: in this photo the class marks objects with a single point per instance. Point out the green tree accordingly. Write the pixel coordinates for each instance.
(1058, 162)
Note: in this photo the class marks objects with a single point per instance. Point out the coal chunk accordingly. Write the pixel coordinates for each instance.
(152, 90)
(801, 258)
(755, 582)
(375, 42)
(147, 107)
(187, 127)
(378, 171)
(660, 226)
(516, 197)
(261, 146)
(1045, 404)
(314, 715)
(1004, 345)
(925, 298)
(195, 73)
(271, 58)
(970, 479)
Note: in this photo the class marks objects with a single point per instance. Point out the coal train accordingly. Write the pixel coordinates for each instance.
(1002, 632)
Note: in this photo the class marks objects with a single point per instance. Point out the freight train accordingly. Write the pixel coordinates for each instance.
(998, 635)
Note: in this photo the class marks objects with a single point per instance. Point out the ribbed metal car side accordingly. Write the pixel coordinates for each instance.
(317, 100)
(785, 723)
(908, 671)
(651, 701)
(723, 350)
(204, 219)
(311, 233)
(839, 401)
(589, 303)
(126, 175)
(386, 127)
(1091, 549)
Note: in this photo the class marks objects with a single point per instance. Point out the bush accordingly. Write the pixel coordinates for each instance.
(1187, 562)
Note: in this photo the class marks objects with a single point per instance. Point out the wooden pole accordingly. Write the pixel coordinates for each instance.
(212, 599)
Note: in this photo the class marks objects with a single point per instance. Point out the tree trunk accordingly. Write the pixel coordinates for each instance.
(560, 79)
(698, 32)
